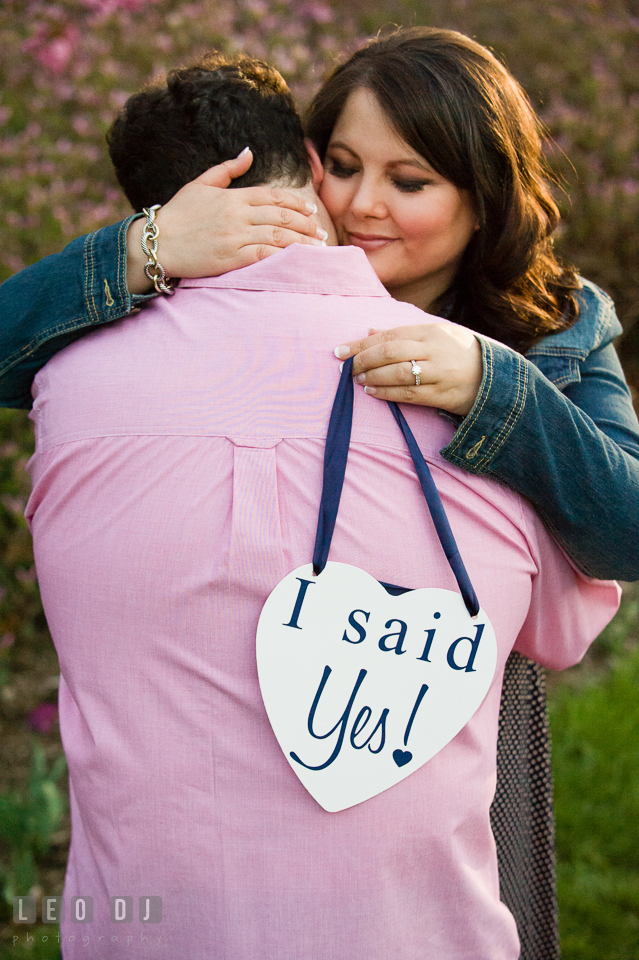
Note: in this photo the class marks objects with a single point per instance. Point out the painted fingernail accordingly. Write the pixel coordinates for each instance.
(341, 366)
(342, 352)
(311, 207)
(371, 391)
(372, 330)
(243, 152)
(318, 243)
(360, 378)
(322, 234)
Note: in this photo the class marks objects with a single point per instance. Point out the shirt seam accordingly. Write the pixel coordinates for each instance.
(433, 457)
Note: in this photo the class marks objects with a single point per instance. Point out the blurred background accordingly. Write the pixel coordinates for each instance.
(66, 68)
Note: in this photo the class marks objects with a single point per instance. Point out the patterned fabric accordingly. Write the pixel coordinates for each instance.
(522, 811)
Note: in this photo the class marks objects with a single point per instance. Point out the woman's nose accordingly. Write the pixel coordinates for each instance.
(368, 202)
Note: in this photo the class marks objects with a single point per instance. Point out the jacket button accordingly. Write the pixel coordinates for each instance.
(474, 450)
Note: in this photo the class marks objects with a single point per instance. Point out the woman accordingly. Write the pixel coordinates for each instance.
(499, 277)
(432, 161)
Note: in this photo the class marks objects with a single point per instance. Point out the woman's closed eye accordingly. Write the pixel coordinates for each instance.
(410, 186)
(404, 184)
(337, 169)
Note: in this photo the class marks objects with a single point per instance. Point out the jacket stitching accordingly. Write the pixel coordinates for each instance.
(121, 259)
(89, 278)
(30, 348)
(576, 352)
(517, 407)
(513, 414)
(488, 364)
(602, 310)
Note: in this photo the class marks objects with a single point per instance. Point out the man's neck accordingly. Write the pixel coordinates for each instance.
(321, 217)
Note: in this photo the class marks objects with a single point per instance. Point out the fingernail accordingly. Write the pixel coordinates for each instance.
(311, 207)
(318, 243)
(322, 234)
(360, 378)
(341, 366)
(342, 352)
(372, 330)
(242, 152)
(371, 391)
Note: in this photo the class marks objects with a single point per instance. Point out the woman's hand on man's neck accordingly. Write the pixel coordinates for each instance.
(206, 230)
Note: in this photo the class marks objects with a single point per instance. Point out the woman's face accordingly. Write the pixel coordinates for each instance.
(384, 197)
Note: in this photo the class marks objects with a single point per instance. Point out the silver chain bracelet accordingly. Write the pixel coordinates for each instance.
(153, 268)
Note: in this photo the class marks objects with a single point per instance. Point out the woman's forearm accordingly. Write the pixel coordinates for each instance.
(574, 454)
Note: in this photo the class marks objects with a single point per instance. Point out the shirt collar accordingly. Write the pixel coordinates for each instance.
(303, 268)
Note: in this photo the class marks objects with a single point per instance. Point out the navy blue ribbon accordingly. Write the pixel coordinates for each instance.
(335, 456)
(338, 440)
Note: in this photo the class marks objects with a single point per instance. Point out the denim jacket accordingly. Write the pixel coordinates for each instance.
(557, 425)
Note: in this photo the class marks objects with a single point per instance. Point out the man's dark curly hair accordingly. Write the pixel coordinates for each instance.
(203, 114)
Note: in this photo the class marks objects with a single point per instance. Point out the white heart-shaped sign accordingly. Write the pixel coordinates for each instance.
(361, 687)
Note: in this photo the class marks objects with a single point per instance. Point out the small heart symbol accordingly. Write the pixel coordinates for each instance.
(401, 757)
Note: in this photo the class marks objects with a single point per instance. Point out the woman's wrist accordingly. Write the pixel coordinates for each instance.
(499, 403)
(136, 278)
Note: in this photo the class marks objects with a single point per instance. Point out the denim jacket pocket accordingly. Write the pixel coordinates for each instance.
(560, 369)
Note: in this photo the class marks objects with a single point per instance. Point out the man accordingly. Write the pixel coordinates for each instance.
(177, 481)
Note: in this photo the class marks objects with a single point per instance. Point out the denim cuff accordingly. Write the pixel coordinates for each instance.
(499, 403)
(107, 296)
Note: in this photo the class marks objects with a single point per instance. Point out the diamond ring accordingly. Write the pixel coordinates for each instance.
(416, 370)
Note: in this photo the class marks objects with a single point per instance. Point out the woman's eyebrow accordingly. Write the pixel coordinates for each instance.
(340, 145)
(422, 165)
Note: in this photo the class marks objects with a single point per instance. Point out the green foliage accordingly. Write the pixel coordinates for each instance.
(596, 770)
(28, 819)
(20, 608)
(612, 642)
(32, 943)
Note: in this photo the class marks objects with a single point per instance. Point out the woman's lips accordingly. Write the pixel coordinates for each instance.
(369, 242)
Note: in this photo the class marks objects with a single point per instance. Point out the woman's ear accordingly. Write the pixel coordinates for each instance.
(317, 170)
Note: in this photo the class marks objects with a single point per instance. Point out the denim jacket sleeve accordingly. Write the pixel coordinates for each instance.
(558, 426)
(52, 303)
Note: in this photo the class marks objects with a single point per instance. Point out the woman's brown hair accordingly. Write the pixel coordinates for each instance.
(454, 103)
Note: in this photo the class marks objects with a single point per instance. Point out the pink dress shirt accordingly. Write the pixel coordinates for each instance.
(177, 479)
